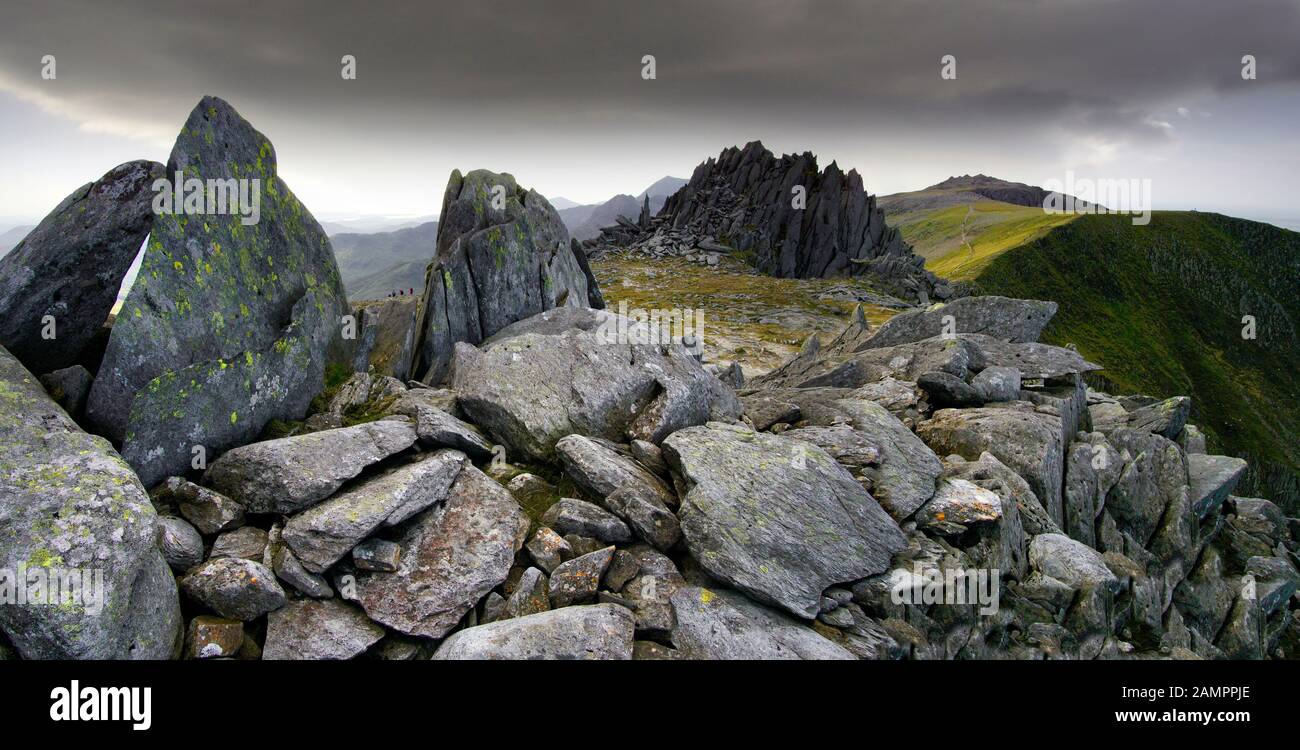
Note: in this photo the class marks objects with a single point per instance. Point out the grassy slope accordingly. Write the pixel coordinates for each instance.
(990, 229)
(1161, 308)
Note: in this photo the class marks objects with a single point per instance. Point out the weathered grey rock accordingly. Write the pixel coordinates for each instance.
(211, 637)
(210, 512)
(764, 412)
(71, 265)
(1073, 563)
(1165, 418)
(997, 383)
(181, 545)
(318, 629)
(293, 473)
(1275, 581)
(386, 337)
(362, 390)
(1033, 360)
(1192, 439)
(69, 388)
(813, 369)
(721, 624)
(235, 588)
(991, 474)
(438, 429)
(248, 542)
(321, 535)
(775, 517)
(495, 263)
(548, 549)
(1016, 320)
(623, 567)
(1024, 439)
(943, 390)
(453, 554)
(620, 382)
(599, 631)
(228, 324)
(1205, 597)
(958, 504)
(69, 503)
(623, 487)
(650, 456)
(288, 569)
(1212, 479)
(1154, 478)
(1091, 469)
(377, 554)
(570, 516)
(579, 578)
(530, 596)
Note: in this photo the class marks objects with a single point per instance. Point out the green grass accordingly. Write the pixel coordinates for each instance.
(1160, 307)
(959, 241)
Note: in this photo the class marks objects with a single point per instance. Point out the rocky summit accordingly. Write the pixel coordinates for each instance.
(785, 216)
(229, 324)
(503, 469)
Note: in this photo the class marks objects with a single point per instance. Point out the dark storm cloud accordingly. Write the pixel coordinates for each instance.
(1094, 62)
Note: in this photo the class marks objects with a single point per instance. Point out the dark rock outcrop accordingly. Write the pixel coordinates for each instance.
(71, 266)
(503, 254)
(229, 324)
(744, 201)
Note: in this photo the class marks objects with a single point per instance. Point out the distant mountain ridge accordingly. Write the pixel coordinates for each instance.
(368, 260)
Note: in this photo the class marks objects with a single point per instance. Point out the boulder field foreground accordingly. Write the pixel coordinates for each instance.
(504, 470)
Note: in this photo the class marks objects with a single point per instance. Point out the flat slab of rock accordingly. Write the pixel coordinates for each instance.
(812, 368)
(624, 487)
(571, 516)
(229, 323)
(598, 631)
(620, 382)
(293, 473)
(452, 555)
(71, 265)
(777, 518)
(721, 624)
(1033, 360)
(69, 503)
(321, 535)
(1068, 561)
(1017, 320)
(318, 629)
(1211, 479)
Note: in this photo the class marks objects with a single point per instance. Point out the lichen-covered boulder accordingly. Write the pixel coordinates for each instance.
(386, 335)
(70, 504)
(1017, 320)
(503, 255)
(721, 624)
(71, 266)
(228, 324)
(585, 372)
(598, 631)
(775, 517)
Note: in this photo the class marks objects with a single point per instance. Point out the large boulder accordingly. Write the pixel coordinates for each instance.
(777, 518)
(813, 368)
(71, 266)
(228, 323)
(621, 380)
(453, 554)
(1017, 320)
(721, 624)
(598, 631)
(69, 504)
(289, 474)
(503, 255)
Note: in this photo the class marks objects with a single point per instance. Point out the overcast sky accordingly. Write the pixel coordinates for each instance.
(552, 92)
